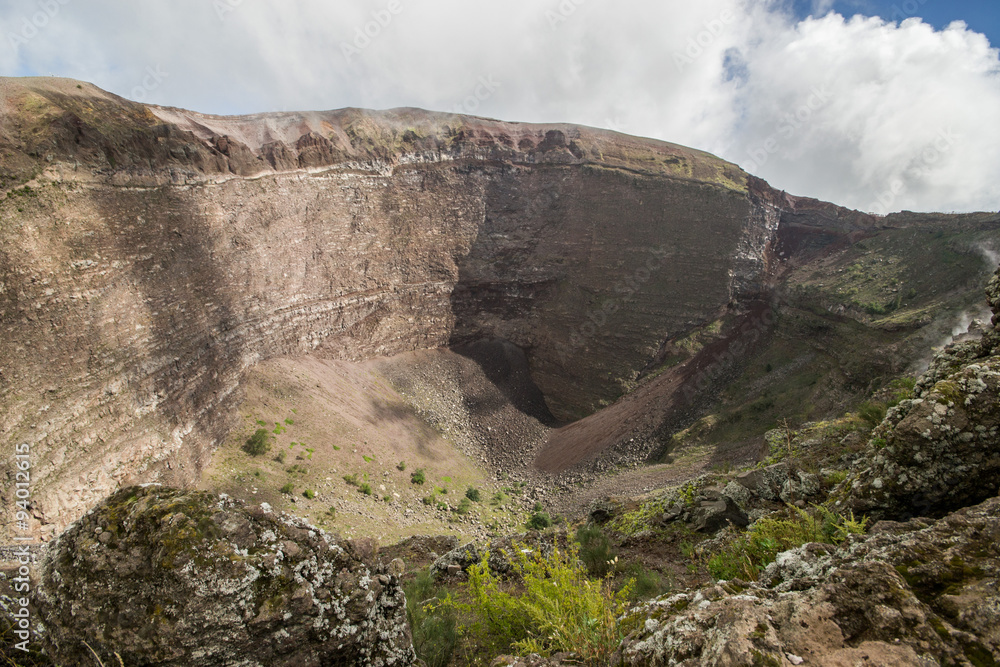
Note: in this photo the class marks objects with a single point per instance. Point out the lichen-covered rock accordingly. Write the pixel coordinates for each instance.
(709, 515)
(993, 297)
(178, 578)
(500, 551)
(907, 594)
(940, 450)
(765, 483)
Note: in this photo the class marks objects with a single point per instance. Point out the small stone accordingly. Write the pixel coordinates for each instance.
(794, 659)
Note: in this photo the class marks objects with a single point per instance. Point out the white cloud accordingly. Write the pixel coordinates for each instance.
(898, 112)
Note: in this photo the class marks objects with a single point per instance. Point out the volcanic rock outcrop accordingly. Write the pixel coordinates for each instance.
(939, 451)
(907, 594)
(167, 577)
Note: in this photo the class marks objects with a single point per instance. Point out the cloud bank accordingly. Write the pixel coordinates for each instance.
(873, 115)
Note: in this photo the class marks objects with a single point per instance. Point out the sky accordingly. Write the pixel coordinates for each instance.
(874, 104)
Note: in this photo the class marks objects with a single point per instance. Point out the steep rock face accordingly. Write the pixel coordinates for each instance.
(154, 254)
(164, 577)
(940, 450)
(907, 594)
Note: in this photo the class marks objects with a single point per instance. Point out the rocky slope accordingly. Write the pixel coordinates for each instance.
(150, 256)
(940, 450)
(917, 593)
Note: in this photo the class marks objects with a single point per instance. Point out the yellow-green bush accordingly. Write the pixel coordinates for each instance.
(553, 607)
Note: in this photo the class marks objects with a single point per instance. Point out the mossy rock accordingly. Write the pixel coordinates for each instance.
(169, 577)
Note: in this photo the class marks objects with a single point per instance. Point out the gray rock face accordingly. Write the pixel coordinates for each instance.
(765, 483)
(993, 297)
(175, 578)
(709, 516)
(499, 550)
(907, 594)
(941, 450)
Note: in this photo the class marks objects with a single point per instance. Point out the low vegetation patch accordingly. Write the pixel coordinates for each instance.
(434, 626)
(258, 444)
(539, 521)
(747, 555)
(595, 551)
(554, 606)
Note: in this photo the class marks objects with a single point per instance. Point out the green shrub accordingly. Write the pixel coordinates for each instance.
(647, 584)
(595, 551)
(366, 489)
(872, 414)
(289, 421)
(747, 556)
(258, 444)
(434, 626)
(401, 466)
(556, 607)
(429, 500)
(309, 493)
(498, 498)
(473, 494)
(368, 459)
(280, 458)
(902, 390)
(418, 476)
(288, 488)
(464, 506)
(539, 521)
(352, 479)
(834, 478)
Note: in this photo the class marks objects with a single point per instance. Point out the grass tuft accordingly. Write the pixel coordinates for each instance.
(747, 556)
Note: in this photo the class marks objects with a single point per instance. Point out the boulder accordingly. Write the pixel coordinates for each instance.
(993, 297)
(176, 578)
(709, 516)
(459, 560)
(739, 494)
(602, 510)
(765, 483)
(907, 594)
